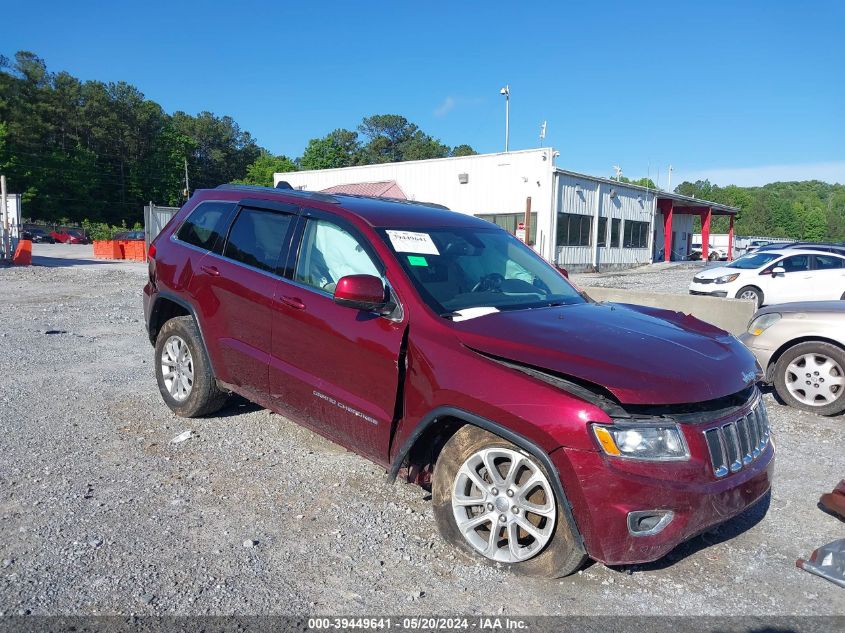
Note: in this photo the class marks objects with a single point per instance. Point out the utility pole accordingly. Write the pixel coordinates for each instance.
(543, 133)
(7, 242)
(669, 186)
(187, 186)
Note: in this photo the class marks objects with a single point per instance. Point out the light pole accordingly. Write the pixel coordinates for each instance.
(507, 92)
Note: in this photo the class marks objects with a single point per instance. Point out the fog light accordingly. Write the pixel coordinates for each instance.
(649, 522)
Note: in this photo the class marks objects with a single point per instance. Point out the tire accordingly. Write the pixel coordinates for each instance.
(179, 347)
(712, 257)
(552, 551)
(752, 292)
(825, 363)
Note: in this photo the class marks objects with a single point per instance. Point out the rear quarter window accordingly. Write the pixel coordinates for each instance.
(206, 226)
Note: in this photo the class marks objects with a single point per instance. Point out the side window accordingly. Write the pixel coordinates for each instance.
(257, 237)
(796, 263)
(602, 238)
(206, 225)
(828, 262)
(615, 224)
(329, 253)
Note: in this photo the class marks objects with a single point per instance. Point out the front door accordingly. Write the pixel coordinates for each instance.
(793, 284)
(335, 367)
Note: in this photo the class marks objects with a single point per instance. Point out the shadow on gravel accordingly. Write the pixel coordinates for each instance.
(719, 534)
(61, 262)
(236, 405)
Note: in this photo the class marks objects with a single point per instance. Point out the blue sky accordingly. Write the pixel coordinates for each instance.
(743, 92)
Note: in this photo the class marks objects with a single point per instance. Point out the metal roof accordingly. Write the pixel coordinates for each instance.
(686, 201)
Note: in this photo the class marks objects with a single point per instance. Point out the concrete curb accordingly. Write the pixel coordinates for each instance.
(731, 315)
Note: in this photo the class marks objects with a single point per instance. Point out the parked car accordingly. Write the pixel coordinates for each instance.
(801, 348)
(547, 426)
(70, 237)
(754, 245)
(781, 276)
(37, 236)
(825, 247)
(713, 253)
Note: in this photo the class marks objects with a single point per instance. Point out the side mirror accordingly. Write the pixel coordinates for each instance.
(563, 271)
(362, 292)
(779, 270)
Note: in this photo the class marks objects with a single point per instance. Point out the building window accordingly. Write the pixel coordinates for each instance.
(636, 234)
(510, 222)
(602, 238)
(615, 223)
(573, 229)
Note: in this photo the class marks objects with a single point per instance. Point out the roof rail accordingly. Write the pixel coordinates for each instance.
(311, 195)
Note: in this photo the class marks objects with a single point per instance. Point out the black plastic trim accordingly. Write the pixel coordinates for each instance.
(501, 431)
(191, 311)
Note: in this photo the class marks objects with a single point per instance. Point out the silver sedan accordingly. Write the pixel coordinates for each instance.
(801, 348)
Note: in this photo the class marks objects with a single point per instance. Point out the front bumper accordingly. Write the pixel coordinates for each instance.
(604, 490)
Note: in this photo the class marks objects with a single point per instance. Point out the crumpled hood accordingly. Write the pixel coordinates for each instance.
(641, 355)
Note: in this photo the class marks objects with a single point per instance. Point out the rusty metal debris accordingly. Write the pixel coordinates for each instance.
(828, 561)
(834, 502)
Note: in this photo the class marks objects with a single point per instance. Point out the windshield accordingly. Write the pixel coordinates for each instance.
(756, 260)
(456, 269)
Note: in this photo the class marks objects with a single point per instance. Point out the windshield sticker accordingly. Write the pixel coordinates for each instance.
(472, 313)
(411, 242)
(417, 260)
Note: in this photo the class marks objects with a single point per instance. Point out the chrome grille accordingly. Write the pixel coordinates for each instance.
(738, 443)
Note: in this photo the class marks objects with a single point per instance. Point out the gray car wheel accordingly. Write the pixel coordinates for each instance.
(497, 502)
(811, 376)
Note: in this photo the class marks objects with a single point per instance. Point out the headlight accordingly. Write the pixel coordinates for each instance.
(726, 279)
(648, 442)
(763, 323)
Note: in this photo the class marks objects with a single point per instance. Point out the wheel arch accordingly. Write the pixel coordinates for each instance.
(446, 421)
(168, 306)
(810, 338)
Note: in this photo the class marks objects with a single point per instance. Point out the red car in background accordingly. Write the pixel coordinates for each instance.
(70, 237)
(548, 427)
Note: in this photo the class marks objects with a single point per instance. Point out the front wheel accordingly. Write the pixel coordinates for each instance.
(753, 293)
(495, 501)
(811, 376)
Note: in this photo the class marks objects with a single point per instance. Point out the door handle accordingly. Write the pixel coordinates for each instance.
(210, 270)
(293, 302)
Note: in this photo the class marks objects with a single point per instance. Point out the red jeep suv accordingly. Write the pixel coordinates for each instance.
(549, 427)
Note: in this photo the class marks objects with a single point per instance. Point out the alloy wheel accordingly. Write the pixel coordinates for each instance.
(815, 379)
(503, 505)
(177, 368)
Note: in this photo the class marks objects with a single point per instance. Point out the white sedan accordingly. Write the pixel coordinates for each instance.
(769, 277)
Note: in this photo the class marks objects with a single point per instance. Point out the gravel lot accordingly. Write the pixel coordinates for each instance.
(101, 514)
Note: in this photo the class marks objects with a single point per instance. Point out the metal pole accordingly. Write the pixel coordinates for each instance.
(187, 186)
(4, 210)
(507, 116)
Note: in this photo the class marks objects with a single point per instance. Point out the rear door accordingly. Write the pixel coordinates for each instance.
(335, 367)
(237, 287)
(828, 276)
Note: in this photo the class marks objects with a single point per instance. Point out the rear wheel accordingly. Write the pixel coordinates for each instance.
(811, 376)
(751, 292)
(183, 371)
(712, 257)
(495, 501)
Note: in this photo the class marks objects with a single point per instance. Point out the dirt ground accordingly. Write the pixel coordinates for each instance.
(101, 514)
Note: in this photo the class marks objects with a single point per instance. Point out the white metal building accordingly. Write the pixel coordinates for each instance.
(576, 221)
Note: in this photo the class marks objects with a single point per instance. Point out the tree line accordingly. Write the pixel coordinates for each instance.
(93, 150)
(808, 210)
